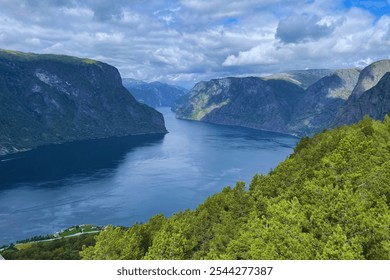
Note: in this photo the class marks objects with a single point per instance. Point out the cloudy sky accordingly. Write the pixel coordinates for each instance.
(184, 41)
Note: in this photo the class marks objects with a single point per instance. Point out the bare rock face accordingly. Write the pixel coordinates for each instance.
(374, 102)
(359, 104)
(321, 102)
(47, 99)
(301, 102)
(370, 76)
(249, 102)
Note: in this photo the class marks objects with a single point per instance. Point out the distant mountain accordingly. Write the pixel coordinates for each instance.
(250, 102)
(320, 103)
(303, 78)
(363, 100)
(154, 94)
(47, 99)
(300, 102)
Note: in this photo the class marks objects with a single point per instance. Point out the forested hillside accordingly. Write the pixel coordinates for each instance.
(329, 200)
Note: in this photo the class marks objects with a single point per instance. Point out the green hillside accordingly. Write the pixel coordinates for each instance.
(329, 200)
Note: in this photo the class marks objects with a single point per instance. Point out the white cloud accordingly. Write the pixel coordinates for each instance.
(113, 38)
(78, 12)
(33, 41)
(183, 41)
(263, 54)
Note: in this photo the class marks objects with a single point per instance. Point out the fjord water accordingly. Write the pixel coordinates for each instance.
(124, 180)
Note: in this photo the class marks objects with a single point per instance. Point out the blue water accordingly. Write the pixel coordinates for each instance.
(124, 180)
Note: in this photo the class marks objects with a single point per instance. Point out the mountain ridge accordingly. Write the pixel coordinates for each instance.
(317, 103)
(154, 94)
(51, 99)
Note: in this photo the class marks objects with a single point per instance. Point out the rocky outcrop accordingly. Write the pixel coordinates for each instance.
(154, 94)
(47, 99)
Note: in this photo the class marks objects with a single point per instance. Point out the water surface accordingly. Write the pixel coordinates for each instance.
(129, 179)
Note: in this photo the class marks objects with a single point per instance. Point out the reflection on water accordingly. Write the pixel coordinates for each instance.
(57, 162)
(129, 179)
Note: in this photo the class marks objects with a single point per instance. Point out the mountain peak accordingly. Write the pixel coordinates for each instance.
(370, 76)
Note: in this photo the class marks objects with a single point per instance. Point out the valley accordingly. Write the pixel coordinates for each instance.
(80, 151)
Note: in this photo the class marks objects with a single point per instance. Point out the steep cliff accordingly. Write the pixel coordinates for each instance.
(154, 94)
(298, 102)
(321, 102)
(354, 108)
(250, 102)
(374, 102)
(370, 76)
(47, 99)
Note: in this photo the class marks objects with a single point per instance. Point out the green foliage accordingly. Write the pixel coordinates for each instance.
(61, 249)
(115, 243)
(329, 200)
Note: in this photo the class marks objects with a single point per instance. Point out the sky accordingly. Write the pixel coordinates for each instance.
(182, 42)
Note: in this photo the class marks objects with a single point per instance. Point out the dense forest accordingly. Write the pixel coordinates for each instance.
(329, 200)
(60, 249)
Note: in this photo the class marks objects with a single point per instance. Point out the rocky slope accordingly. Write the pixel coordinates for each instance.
(321, 101)
(374, 102)
(354, 108)
(48, 99)
(299, 102)
(303, 78)
(250, 102)
(154, 94)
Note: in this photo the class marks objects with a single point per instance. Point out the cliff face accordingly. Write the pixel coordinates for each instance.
(299, 102)
(250, 102)
(370, 76)
(361, 101)
(48, 99)
(154, 94)
(320, 103)
(374, 102)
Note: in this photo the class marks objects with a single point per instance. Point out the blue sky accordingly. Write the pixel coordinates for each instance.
(377, 7)
(185, 41)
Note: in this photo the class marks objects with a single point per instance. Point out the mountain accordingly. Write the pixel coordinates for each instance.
(372, 84)
(250, 102)
(300, 102)
(47, 99)
(321, 101)
(370, 76)
(265, 103)
(303, 78)
(154, 94)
